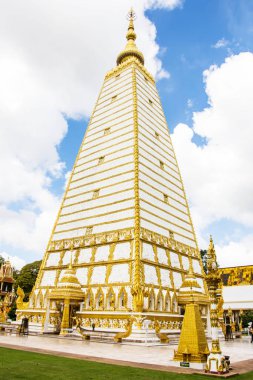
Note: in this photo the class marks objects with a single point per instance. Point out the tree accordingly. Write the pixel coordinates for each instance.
(203, 253)
(247, 317)
(26, 278)
(2, 261)
(12, 312)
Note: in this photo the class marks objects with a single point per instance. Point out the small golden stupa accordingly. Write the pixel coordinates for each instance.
(192, 346)
(70, 293)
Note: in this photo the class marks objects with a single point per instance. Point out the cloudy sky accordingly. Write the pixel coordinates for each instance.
(53, 58)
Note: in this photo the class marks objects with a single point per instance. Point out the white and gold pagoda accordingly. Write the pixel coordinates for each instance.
(124, 217)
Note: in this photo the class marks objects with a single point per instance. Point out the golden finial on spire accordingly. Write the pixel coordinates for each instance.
(131, 14)
(211, 249)
(131, 35)
(130, 49)
(211, 245)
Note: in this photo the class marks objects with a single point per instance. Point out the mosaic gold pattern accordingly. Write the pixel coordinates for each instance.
(242, 275)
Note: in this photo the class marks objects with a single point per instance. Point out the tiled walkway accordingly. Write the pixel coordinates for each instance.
(146, 356)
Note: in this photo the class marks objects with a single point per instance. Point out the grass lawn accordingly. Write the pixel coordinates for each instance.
(15, 364)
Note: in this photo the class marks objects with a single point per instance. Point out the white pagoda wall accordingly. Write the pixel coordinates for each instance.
(111, 269)
(156, 214)
(114, 207)
(114, 178)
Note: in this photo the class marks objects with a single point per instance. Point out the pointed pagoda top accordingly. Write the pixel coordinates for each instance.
(190, 290)
(69, 279)
(190, 283)
(69, 285)
(211, 245)
(131, 49)
(211, 257)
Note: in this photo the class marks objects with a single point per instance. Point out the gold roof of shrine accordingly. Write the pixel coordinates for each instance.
(68, 287)
(6, 272)
(190, 291)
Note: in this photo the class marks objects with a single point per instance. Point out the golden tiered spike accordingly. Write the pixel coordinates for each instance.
(131, 49)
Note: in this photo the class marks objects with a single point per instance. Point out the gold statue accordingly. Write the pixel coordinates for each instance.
(21, 296)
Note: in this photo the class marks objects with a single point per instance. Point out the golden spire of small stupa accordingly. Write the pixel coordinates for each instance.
(211, 257)
(131, 49)
(211, 245)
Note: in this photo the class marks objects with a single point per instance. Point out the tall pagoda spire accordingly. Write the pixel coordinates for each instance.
(131, 49)
(124, 215)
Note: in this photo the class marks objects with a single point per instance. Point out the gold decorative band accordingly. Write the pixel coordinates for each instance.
(122, 235)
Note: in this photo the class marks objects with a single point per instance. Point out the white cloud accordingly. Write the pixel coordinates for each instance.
(169, 4)
(26, 229)
(53, 57)
(16, 262)
(236, 253)
(162, 74)
(218, 175)
(67, 178)
(221, 43)
(189, 103)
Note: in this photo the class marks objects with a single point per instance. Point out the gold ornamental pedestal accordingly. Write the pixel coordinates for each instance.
(216, 362)
(192, 349)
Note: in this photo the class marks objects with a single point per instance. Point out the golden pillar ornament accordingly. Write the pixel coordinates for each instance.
(65, 317)
(216, 362)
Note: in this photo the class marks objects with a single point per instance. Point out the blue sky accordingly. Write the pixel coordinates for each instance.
(58, 72)
(186, 36)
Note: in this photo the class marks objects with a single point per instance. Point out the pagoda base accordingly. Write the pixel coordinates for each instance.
(130, 326)
(143, 336)
(136, 336)
(185, 364)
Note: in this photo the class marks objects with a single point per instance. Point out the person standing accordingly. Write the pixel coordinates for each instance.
(251, 333)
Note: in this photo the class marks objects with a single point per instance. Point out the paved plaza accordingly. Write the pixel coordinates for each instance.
(156, 356)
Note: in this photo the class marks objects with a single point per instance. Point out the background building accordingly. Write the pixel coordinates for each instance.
(237, 292)
(6, 290)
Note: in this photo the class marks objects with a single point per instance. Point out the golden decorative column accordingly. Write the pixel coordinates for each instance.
(137, 288)
(216, 362)
(240, 320)
(65, 317)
